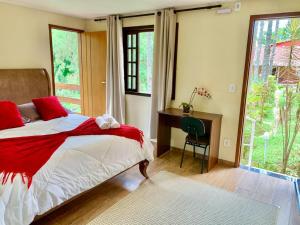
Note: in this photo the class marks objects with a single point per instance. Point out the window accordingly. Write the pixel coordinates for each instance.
(138, 59)
(65, 66)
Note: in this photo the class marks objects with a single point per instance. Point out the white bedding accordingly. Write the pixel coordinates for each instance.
(79, 164)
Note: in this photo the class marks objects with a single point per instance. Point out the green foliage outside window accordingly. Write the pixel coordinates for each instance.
(261, 98)
(65, 56)
(66, 64)
(146, 42)
(273, 101)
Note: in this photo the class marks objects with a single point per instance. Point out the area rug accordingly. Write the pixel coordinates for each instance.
(167, 198)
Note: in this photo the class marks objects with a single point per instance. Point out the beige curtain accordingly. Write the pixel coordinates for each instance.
(164, 50)
(115, 89)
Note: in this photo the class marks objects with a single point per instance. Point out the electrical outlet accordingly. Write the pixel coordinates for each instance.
(237, 6)
(232, 88)
(227, 142)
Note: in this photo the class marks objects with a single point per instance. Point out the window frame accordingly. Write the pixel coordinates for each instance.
(136, 30)
(173, 94)
(253, 19)
(127, 31)
(53, 86)
(57, 27)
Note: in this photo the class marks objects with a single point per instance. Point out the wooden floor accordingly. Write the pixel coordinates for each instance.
(256, 186)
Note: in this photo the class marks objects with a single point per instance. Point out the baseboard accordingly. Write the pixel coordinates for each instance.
(187, 152)
(190, 153)
(225, 163)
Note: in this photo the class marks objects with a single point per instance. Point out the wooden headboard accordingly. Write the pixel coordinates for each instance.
(22, 85)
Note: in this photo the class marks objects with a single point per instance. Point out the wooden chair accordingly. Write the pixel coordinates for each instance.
(196, 136)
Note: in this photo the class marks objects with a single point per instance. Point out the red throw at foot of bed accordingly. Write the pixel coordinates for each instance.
(26, 155)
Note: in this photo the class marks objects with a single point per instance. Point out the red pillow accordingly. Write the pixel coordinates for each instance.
(10, 116)
(49, 108)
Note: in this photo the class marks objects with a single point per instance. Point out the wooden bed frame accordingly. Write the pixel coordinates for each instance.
(21, 86)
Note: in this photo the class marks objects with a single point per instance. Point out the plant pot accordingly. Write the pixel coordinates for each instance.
(186, 108)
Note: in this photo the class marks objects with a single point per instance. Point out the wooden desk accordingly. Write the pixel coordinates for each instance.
(171, 118)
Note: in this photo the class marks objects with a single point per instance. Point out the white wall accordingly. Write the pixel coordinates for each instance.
(24, 36)
(211, 54)
(138, 108)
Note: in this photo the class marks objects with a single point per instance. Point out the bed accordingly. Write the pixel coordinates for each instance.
(80, 164)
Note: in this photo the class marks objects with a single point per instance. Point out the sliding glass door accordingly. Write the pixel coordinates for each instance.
(271, 119)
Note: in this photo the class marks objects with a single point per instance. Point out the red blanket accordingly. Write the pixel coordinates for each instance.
(26, 155)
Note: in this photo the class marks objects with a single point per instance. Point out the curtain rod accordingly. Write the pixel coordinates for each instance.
(176, 11)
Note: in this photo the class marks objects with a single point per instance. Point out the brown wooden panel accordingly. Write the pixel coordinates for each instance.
(80, 72)
(196, 114)
(73, 87)
(98, 72)
(93, 54)
(22, 85)
(171, 118)
(214, 143)
(85, 53)
(163, 134)
(69, 100)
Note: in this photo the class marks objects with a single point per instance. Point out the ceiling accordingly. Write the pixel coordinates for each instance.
(98, 8)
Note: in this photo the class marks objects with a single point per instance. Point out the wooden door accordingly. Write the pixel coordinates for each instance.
(93, 54)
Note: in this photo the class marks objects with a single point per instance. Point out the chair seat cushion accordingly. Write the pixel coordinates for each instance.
(204, 140)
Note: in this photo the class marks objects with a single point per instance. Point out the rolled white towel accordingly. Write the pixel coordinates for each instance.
(102, 123)
(108, 118)
(113, 122)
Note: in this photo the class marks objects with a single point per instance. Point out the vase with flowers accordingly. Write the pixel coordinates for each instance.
(187, 107)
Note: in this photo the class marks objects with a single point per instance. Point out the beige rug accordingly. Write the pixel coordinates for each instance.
(171, 199)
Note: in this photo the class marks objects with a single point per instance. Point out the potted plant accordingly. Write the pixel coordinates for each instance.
(187, 107)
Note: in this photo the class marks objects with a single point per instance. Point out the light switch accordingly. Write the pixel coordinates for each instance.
(237, 6)
(232, 88)
(227, 142)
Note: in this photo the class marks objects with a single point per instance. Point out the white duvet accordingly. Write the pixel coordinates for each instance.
(79, 164)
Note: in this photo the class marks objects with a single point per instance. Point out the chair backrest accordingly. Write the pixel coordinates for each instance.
(192, 126)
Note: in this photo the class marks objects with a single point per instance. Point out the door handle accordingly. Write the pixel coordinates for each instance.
(103, 82)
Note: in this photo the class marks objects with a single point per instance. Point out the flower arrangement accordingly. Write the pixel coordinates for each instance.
(204, 92)
(201, 92)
